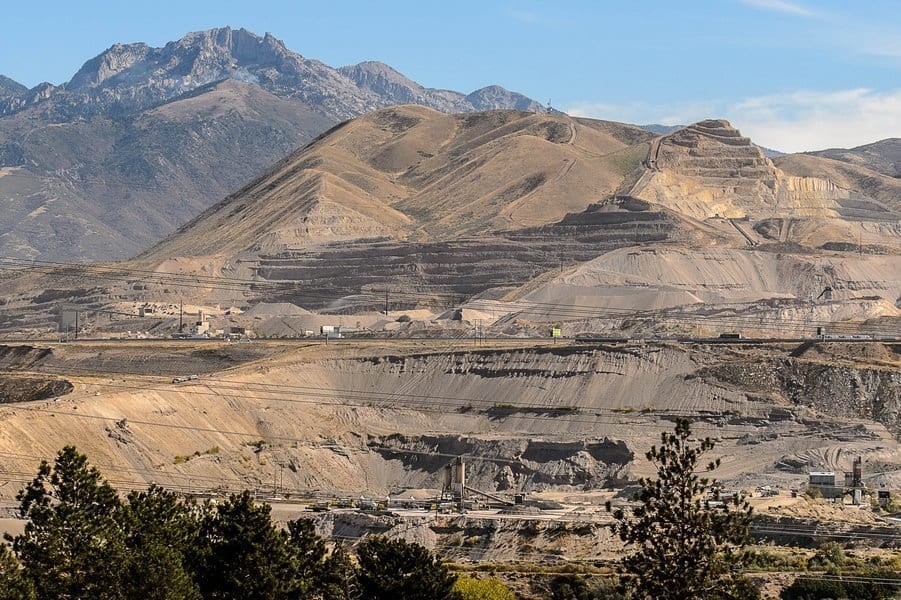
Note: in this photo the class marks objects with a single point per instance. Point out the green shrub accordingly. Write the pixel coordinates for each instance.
(813, 588)
(470, 588)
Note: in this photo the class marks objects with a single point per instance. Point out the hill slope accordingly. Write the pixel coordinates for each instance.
(141, 139)
(411, 173)
(883, 156)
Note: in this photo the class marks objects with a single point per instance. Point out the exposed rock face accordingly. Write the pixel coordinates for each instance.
(131, 77)
(141, 139)
(709, 170)
(383, 80)
(9, 87)
(386, 82)
(833, 389)
(542, 464)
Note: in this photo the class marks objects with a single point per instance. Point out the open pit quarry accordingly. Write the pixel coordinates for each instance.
(536, 295)
(565, 424)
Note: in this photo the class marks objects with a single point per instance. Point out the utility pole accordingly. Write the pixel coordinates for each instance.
(181, 315)
(76, 324)
(386, 302)
(860, 241)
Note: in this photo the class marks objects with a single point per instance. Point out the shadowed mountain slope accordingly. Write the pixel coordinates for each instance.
(141, 139)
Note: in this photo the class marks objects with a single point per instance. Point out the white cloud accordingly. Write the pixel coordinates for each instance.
(808, 120)
(782, 6)
(793, 122)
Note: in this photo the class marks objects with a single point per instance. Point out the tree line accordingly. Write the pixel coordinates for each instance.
(83, 541)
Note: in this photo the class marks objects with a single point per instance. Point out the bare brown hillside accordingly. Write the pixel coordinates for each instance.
(142, 139)
(412, 173)
(845, 174)
(883, 156)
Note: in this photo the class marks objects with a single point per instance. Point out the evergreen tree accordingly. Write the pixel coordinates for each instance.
(13, 583)
(241, 554)
(73, 546)
(307, 551)
(161, 531)
(339, 577)
(683, 548)
(394, 569)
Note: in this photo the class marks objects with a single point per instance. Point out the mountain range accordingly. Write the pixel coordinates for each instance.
(141, 139)
(542, 216)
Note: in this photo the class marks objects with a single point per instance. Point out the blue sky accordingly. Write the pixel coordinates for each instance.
(792, 74)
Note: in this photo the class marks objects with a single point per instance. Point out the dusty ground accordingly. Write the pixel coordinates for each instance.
(380, 416)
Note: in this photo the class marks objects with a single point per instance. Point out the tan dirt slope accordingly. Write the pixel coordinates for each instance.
(411, 173)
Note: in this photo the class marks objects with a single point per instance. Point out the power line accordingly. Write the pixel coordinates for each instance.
(316, 399)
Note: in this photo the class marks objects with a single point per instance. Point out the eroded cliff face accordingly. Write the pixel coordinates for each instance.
(835, 389)
(523, 465)
(710, 170)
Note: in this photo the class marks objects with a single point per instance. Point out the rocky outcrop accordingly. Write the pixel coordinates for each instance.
(838, 390)
(10, 87)
(537, 465)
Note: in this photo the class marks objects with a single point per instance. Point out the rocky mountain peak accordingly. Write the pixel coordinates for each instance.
(128, 78)
(111, 62)
(494, 97)
(240, 46)
(373, 70)
(10, 87)
(377, 77)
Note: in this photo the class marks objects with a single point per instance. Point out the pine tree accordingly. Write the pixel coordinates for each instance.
(339, 578)
(684, 549)
(241, 554)
(161, 531)
(13, 583)
(73, 546)
(307, 551)
(393, 569)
